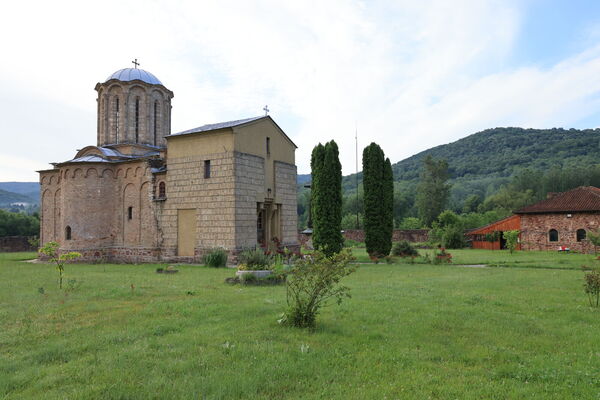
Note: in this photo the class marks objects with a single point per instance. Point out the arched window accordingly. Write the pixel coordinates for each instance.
(162, 190)
(137, 119)
(117, 119)
(68, 233)
(553, 235)
(155, 122)
(581, 235)
(130, 213)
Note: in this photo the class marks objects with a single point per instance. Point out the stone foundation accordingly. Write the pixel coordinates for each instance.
(9, 244)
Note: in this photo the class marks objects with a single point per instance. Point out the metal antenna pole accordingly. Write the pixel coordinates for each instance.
(357, 198)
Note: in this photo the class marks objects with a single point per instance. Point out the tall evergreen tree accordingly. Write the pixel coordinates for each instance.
(378, 201)
(433, 190)
(388, 207)
(326, 202)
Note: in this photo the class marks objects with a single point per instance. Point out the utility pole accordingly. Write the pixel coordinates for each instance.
(357, 198)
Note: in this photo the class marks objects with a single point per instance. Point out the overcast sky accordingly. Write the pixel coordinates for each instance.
(407, 75)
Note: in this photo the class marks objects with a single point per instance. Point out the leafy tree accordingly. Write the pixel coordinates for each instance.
(411, 223)
(349, 221)
(471, 203)
(19, 224)
(51, 250)
(594, 237)
(512, 239)
(326, 201)
(378, 186)
(433, 189)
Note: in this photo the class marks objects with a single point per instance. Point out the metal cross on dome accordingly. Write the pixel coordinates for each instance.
(136, 63)
(266, 110)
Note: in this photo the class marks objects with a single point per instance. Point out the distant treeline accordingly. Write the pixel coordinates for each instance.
(19, 224)
(492, 173)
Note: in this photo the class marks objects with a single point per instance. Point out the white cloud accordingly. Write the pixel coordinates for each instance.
(410, 75)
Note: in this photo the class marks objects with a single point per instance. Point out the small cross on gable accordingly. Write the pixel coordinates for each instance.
(266, 110)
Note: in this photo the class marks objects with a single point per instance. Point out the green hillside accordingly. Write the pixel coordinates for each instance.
(7, 198)
(483, 163)
(500, 152)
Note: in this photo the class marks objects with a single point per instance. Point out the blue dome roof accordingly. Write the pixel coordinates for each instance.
(132, 74)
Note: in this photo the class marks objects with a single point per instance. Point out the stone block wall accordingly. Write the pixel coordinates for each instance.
(213, 199)
(411, 235)
(535, 231)
(285, 194)
(249, 187)
(9, 244)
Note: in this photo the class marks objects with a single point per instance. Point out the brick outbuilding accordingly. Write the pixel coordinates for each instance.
(562, 220)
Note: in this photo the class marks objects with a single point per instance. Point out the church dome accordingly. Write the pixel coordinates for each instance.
(132, 74)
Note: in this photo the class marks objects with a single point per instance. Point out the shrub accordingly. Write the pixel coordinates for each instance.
(453, 237)
(50, 249)
(592, 287)
(404, 249)
(254, 260)
(441, 256)
(311, 282)
(512, 240)
(215, 258)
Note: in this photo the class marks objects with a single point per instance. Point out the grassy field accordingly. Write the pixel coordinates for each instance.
(503, 258)
(409, 331)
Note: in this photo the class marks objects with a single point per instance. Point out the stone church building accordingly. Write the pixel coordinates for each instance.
(145, 194)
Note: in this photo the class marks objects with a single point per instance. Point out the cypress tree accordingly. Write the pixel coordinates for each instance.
(326, 202)
(316, 166)
(378, 201)
(388, 207)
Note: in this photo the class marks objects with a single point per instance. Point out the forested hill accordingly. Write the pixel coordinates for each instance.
(499, 152)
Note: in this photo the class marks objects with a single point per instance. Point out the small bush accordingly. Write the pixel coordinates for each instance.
(441, 257)
(453, 237)
(404, 249)
(592, 287)
(254, 260)
(311, 282)
(215, 258)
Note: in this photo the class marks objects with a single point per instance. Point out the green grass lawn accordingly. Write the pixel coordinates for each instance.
(409, 331)
(503, 258)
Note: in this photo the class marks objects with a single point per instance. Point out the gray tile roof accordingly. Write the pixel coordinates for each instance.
(220, 125)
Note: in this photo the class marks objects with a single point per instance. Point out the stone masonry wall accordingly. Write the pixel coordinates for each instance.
(10, 244)
(213, 199)
(411, 235)
(93, 200)
(285, 193)
(535, 228)
(249, 183)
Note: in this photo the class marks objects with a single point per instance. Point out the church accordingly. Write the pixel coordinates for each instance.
(145, 194)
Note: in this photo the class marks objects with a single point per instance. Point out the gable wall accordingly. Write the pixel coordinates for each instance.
(535, 227)
(213, 199)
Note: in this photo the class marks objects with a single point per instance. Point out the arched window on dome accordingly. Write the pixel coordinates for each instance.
(137, 119)
(116, 119)
(155, 125)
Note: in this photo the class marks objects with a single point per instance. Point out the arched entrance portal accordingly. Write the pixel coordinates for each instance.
(268, 224)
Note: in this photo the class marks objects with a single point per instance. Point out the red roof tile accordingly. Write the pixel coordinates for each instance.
(581, 199)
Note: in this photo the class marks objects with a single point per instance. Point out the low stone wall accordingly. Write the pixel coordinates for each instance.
(10, 244)
(358, 235)
(411, 235)
(137, 255)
